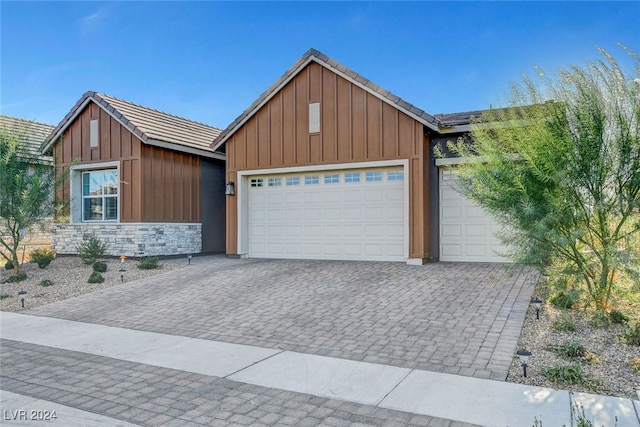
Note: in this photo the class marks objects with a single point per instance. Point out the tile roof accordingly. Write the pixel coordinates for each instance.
(34, 134)
(151, 126)
(324, 60)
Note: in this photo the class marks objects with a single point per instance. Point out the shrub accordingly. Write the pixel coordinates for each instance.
(96, 277)
(564, 374)
(600, 319)
(564, 325)
(8, 265)
(631, 334)
(3, 296)
(635, 365)
(42, 257)
(15, 278)
(100, 266)
(618, 317)
(566, 299)
(148, 263)
(45, 282)
(572, 350)
(92, 249)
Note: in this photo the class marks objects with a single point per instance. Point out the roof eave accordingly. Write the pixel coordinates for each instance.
(185, 149)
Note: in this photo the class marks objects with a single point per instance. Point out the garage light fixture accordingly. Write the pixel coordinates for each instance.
(537, 304)
(21, 296)
(524, 356)
(230, 189)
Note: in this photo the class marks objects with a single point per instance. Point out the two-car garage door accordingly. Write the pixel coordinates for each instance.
(356, 214)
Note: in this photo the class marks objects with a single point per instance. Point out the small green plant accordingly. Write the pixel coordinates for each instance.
(45, 282)
(8, 265)
(42, 257)
(92, 249)
(572, 350)
(631, 334)
(564, 325)
(95, 277)
(564, 374)
(634, 364)
(15, 278)
(618, 317)
(100, 266)
(3, 296)
(566, 300)
(600, 320)
(148, 263)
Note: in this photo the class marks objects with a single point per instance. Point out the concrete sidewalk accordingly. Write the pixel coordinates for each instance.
(461, 399)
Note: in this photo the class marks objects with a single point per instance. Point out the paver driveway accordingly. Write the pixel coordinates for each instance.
(455, 318)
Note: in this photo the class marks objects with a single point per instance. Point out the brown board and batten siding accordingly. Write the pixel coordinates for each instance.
(152, 180)
(356, 126)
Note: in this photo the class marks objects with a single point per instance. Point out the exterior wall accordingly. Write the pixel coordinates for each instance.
(355, 126)
(156, 185)
(131, 239)
(36, 238)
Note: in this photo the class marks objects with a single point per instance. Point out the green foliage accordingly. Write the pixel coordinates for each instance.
(560, 168)
(4, 296)
(95, 277)
(45, 282)
(564, 325)
(631, 334)
(599, 319)
(42, 257)
(618, 317)
(100, 266)
(92, 249)
(572, 350)
(566, 300)
(8, 265)
(634, 364)
(27, 183)
(15, 278)
(564, 374)
(148, 263)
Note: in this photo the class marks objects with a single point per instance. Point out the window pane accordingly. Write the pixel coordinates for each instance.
(110, 208)
(293, 180)
(92, 209)
(332, 179)
(274, 182)
(396, 175)
(373, 176)
(352, 177)
(311, 179)
(95, 183)
(110, 184)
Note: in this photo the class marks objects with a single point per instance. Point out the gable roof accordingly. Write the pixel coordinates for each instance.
(33, 135)
(313, 55)
(151, 126)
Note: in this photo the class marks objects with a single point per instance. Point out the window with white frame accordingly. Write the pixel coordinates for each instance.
(257, 182)
(332, 179)
(274, 182)
(311, 179)
(100, 195)
(352, 177)
(395, 175)
(373, 176)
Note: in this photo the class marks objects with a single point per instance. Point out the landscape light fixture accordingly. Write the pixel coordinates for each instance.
(122, 258)
(524, 356)
(21, 296)
(122, 271)
(230, 189)
(189, 259)
(537, 304)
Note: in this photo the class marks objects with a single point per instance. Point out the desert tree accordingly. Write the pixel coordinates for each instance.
(559, 168)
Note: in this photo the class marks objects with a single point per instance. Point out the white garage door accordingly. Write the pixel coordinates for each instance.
(342, 215)
(467, 232)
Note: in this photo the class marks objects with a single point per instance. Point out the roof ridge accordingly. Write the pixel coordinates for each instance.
(103, 95)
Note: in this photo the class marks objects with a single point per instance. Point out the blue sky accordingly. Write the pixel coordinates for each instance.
(208, 61)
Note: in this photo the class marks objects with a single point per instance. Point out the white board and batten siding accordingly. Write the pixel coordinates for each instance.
(347, 214)
(467, 231)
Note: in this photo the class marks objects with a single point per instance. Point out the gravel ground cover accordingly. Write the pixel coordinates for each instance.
(606, 365)
(69, 276)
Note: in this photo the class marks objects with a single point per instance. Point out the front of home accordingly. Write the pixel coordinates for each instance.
(142, 180)
(327, 165)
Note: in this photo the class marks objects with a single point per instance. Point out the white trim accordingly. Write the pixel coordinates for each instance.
(242, 193)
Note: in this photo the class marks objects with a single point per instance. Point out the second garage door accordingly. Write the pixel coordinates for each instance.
(339, 215)
(467, 232)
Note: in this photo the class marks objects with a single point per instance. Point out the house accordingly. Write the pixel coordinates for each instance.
(32, 135)
(325, 164)
(144, 181)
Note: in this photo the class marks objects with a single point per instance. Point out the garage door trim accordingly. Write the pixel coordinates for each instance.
(242, 194)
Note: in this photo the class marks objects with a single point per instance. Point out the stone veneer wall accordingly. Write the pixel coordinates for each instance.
(131, 239)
